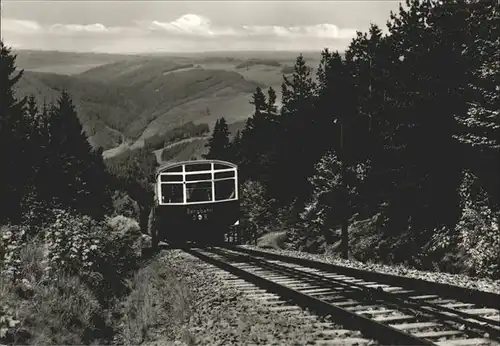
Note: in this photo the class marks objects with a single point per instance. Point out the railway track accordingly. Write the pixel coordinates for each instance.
(381, 307)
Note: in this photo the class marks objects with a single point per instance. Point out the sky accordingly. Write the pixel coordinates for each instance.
(187, 26)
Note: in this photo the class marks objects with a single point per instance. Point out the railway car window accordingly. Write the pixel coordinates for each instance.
(219, 166)
(198, 167)
(171, 177)
(171, 193)
(175, 169)
(222, 175)
(225, 189)
(203, 176)
(199, 192)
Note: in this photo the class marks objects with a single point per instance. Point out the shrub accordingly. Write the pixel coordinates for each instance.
(124, 246)
(37, 309)
(123, 204)
(101, 257)
(74, 244)
(473, 245)
(256, 209)
(12, 239)
(477, 229)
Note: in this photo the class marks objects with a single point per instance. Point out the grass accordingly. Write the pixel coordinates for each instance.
(51, 312)
(50, 292)
(273, 240)
(156, 299)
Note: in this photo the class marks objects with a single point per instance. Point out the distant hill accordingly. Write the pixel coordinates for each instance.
(122, 100)
(64, 62)
(135, 99)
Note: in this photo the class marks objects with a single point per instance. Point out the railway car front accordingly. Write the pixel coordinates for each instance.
(195, 201)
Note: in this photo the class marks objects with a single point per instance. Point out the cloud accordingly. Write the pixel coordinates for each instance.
(77, 28)
(326, 31)
(189, 25)
(194, 25)
(19, 26)
(189, 32)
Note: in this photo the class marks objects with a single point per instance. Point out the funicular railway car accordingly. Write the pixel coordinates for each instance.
(195, 201)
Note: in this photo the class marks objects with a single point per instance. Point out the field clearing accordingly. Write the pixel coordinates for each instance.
(203, 110)
(70, 69)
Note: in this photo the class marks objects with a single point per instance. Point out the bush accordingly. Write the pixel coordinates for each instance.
(37, 309)
(100, 256)
(56, 285)
(12, 239)
(124, 205)
(125, 242)
(256, 209)
(473, 245)
(477, 230)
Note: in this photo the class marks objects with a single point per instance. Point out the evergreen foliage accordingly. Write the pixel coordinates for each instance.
(50, 161)
(13, 142)
(218, 144)
(405, 113)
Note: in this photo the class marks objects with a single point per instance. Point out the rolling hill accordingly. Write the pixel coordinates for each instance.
(123, 99)
(132, 100)
(68, 63)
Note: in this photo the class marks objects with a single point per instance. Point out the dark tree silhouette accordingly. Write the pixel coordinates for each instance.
(77, 173)
(218, 145)
(13, 139)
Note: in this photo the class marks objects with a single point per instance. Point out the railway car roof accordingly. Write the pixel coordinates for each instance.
(168, 165)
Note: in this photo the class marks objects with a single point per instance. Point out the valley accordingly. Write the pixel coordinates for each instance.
(122, 100)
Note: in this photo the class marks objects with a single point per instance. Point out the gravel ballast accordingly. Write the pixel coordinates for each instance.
(220, 314)
(482, 284)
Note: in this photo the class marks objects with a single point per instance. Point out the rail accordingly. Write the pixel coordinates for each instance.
(343, 297)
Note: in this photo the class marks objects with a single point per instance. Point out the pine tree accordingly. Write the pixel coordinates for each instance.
(13, 134)
(78, 173)
(271, 108)
(236, 147)
(252, 141)
(219, 145)
(294, 158)
(325, 209)
(479, 130)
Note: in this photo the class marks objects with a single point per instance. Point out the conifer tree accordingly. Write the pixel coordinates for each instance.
(479, 130)
(294, 158)
(78, 172)
(271, 108)
(13, 134)
(218, 145)
(251, 137)
(236, 147)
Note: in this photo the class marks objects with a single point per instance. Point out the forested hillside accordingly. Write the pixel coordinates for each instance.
(397, 143)
(70, 234)
(142, 97)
